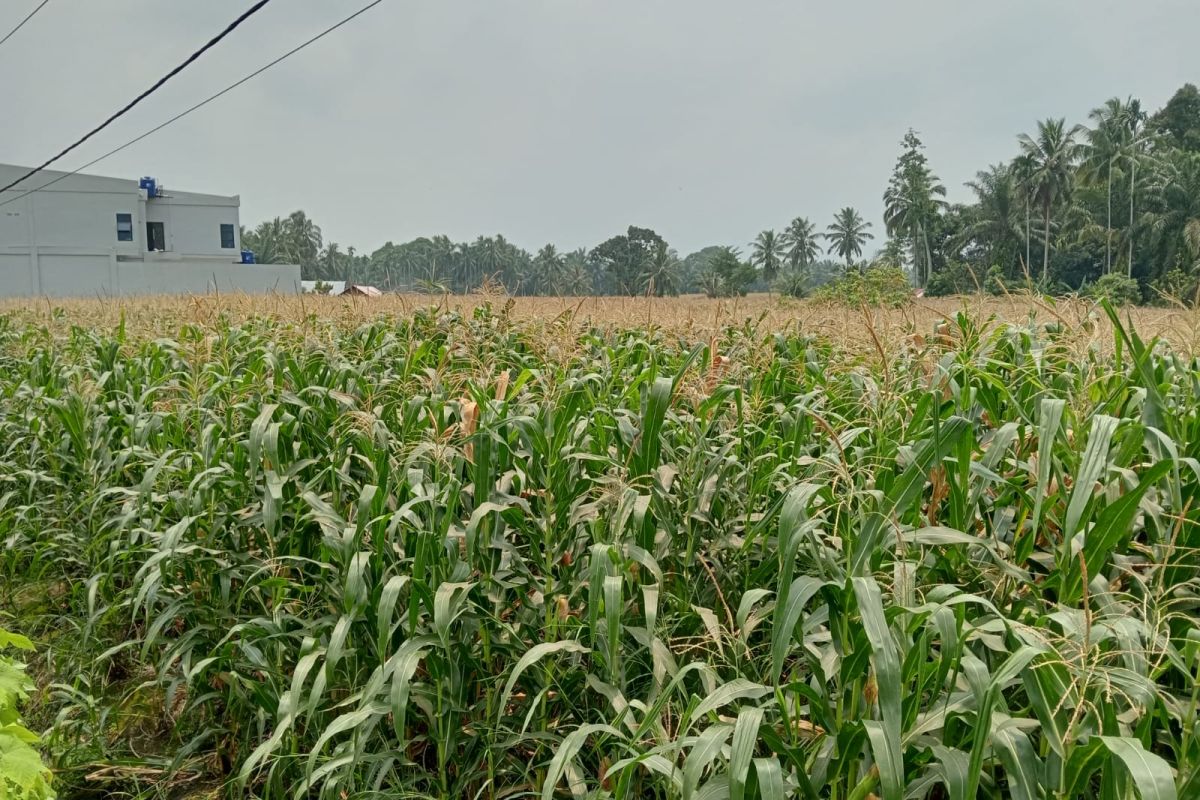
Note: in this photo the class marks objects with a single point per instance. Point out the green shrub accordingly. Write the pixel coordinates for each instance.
(878, 286)
(793, 283)
(1117, 289)
(23, 776)
(1177, 286)
(953, 278)
(727, 275)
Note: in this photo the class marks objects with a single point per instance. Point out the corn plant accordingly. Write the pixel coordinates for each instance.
(463, 555)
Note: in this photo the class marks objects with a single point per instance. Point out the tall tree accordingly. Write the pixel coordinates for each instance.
(993, 223)
(548, 270)
(1051, 161)
(622, 259)
(1134, 144)
(1101, 160)
(848, 234)
(912, 203)
(800, 239)
(1179, 120)
(766, 254)
(1173, 226)
(661, 271)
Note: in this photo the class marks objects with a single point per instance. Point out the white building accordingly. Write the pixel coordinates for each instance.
(89, 236)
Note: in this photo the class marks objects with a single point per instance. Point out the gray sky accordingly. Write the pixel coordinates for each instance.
(568, 120)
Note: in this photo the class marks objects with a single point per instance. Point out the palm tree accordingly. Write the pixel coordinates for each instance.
(994, 220)
(1173, 227)
(1133, 149)
(660, 272)
(848, 234)
(303, 238)
(800, 239)
(1022, 169)
(910, 207)
(767, 253)
(548, 268)
(1052, 158)
(1103, 153)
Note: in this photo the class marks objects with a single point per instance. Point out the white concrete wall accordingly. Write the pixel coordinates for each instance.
(17, 278)
(70, 220)
(88, 275)
(194, 228)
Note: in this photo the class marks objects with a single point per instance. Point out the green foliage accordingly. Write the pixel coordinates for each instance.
(622, 260)
(1177, 286)
(23, 776)
(1179, 119)
(726, 274)
(955, 278)
(792, 283)
(1117, 289)
(878, 286)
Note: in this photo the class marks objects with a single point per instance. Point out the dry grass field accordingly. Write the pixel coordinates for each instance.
(692, 317)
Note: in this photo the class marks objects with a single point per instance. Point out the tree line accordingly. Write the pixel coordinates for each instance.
(1115, 200)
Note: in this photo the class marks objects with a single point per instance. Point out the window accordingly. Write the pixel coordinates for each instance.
(124, 227)
(227, 236)
(156, 237)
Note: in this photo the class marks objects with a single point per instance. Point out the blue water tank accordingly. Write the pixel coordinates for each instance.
(247, 256)
(150, 185)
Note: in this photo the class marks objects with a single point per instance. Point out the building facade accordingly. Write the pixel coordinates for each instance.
(92, 236)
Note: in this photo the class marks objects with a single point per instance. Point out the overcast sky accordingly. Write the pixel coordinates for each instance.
(568, 120)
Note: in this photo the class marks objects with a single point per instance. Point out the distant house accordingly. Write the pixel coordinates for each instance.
(360, 290)
(64, 235)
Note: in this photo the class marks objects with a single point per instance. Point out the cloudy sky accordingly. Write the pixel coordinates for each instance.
(568, 120)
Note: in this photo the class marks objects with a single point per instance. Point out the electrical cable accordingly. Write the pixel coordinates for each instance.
(230, 28)
(202, 103)
(21, 24)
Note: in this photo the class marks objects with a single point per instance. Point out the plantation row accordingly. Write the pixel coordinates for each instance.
(468, 557)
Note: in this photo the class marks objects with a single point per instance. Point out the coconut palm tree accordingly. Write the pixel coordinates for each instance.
(847, 234)
(1134, 142)
(1101, 159)
(994, 221)
(1173, 226)
(910, 207)
(661, 271)
(766, 254)
(546, 272)
(800, 240)
(1052, 157)
(303, 239)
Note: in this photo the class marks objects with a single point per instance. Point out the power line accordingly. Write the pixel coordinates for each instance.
(157, 85)
(201, 104)
(21, 24)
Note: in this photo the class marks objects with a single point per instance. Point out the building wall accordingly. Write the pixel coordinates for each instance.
(71, 219)
(17, 278)
(193, 226)
(40, 274)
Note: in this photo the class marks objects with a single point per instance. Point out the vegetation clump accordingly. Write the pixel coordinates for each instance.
(1117, 289)
(23, 776)
(875, 286)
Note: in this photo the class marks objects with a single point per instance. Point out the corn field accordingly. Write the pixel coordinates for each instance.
(454, 554)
